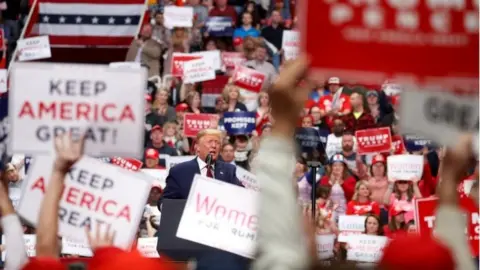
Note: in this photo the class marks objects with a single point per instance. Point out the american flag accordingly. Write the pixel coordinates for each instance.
(87, 22)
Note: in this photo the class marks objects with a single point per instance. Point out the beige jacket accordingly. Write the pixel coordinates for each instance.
(150, 55)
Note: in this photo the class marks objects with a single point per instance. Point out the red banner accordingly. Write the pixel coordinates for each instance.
(2, 39)
(398, 145)
(248, 79)
(193, 123)
(127, 163)
(178, 59)
(370, 43)
(425, 219)
(233, 59)
(373, 140)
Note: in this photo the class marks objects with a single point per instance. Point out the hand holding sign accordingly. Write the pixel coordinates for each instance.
(68, 151)
(100, 240)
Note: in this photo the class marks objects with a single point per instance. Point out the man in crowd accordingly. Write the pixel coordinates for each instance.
(157, 143)
(260, 64)
(274, 34)
(179, 182)
(223, 10)
(332, 105)
(146, 51)
(228, 153)
(358, 118)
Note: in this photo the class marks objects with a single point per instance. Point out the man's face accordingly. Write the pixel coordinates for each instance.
(261, 54)
(208, 144)
(157, 136)
(241, 143)
(146, 31)
(159, 19)
(338, 126)
(247, 19)
(151, 162)
(355, 100)
(221, 3)
(333, 88)
(347, 143)
(194, 2)
(220, 105)
(228, 153)
(276, 17)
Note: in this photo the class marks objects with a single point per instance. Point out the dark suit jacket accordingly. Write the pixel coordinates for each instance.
(179, 181)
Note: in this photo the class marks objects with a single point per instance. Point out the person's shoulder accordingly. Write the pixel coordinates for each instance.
(181, 167)
(227, 166)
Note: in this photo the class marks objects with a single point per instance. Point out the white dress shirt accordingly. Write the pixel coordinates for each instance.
(202, 165)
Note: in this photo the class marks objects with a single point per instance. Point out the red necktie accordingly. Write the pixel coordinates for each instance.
(209, 171)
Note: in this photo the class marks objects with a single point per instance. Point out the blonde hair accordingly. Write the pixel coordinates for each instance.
(155, 104)
(260, 96)
(168, 125)
(226, 93)
(209, 131)
(357, 187)
(190, 96)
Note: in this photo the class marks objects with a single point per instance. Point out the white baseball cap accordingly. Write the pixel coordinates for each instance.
(334, 80)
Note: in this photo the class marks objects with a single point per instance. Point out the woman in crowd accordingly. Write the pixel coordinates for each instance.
(411, 227)
(341, 182)
(161, 106)
(396, 226)
(174, 138)
(193, 101)
(307, 121)
(372, 225)
(251, 8)
(316, 117)
(378, 184)
(361, 203)
(246, 29)
(303, 183)
(263, 112)
(401, 194)
(180, 42)
(232, 97)
(210, 45)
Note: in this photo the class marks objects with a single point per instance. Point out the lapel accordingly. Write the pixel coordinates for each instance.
(195, 166)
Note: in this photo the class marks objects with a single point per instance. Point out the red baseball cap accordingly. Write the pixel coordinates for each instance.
(237, 41)
(151, 153)
(148, 97)
(378, 159)
(182, 107)
(156, 127)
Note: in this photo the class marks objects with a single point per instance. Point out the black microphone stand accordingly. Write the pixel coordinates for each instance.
(314, 165)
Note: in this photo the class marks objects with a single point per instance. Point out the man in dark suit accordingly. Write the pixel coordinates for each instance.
(179, 182)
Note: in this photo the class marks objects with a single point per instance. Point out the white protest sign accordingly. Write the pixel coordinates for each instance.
(30, 241)
(248, 179)
(199, 70)
(366, 248)
(178, 16)
(159, 175)
(325, 245)
(405, 167)
(94, 193)
(349, 225)
(134, 65)
(336, 101)
(3, 81)
(148, 247)
(171, 161)
(440, 116)
(291, 44)
(33, 48)
(75, 247)
(220, 215)
(212, 57)
(107, 104)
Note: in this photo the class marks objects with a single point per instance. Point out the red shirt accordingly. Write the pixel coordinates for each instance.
(358, 208)
(348, 185)
(393, 234)
(228, 12)
(262, 122)
(325, 105)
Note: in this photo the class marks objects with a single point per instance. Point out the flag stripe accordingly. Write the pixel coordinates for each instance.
(88, 30)
(88, 20)
(87, 40)
(119, 2)
(92, 9)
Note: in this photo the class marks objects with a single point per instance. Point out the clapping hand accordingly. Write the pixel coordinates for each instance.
(100, 240)
(68, 151)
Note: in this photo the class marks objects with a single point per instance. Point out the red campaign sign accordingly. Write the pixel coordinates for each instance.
(373, 140)
(398, 145)
(370, 43)
(248, 79)
(127, 163)
(232, 59)
(193, 123)
(178, 59)
(425, 219)
(2, 39)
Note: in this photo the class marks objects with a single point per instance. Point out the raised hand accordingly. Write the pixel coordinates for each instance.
(100, 240)
(68, 151)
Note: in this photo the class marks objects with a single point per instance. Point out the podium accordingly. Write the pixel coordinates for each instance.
(168, 244)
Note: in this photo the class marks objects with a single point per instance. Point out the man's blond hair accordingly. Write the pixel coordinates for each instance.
(209, 131)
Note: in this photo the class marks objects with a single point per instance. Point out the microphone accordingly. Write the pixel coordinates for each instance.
(209, 160)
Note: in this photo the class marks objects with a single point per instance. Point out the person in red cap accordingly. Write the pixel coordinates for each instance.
(238, 44)
(396, 226)
(334, 105)
(361, 203)
(152, 159)
(378, 184)
(157, 143)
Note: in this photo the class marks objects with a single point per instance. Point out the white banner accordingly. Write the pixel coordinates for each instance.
(199, 70)
(178, 16)
(325, 245)
(248, 179)
(159, 175)
(171, 161)
(75, 247)
(405, 167)
(107, 104)
(220, 215)
(33, 48)
(366, 248)
(440, 116)
(212, 57)
(3, 81)
(290, 44)
(94, 193)
(30, 241)
(148, 247)
(349, 225)
(133, 65)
